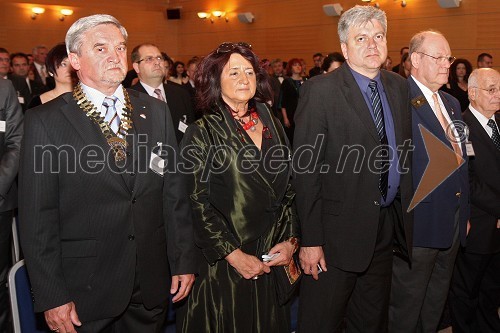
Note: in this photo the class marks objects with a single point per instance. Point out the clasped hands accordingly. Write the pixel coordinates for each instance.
(251, 267)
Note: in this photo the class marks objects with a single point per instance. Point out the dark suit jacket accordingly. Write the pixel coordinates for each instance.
(179, 104)
(86, 225)
(49, 80)
(435, 215)
(484, 180)
(10, 143)
(338, 196)
(23, 90)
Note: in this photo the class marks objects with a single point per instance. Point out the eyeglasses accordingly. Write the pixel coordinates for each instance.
(491, 91)
(441, 60)
(228, 47)
(150, 59)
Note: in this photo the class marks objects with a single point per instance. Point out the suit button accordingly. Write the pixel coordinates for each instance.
(458, 194)
(128, 154)
(132, 174)
(131, 237)
(134, 200)
(376, 203)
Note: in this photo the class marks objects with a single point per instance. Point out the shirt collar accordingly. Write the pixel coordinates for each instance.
(364, 81)
(151, 90)
(481, 118)
(97, 98)
(426, 91)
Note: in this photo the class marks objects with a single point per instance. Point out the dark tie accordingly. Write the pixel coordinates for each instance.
(495, 136)
(111, 114)
(378, 113)
(159, 95)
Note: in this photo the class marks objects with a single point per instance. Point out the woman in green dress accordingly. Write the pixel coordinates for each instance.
(241, 197)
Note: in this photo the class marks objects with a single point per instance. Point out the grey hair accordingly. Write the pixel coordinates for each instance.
(74, 36)
(418, 40)
(36, 48)
(358, 16)
(472, 80)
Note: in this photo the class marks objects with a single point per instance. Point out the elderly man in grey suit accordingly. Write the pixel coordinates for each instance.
(352, 200)
(11, 131)
(105, 220)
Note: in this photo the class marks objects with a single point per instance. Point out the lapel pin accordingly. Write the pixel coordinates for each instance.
(418, 101)
(142, 115)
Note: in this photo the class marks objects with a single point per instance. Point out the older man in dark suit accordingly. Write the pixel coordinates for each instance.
(11, 131)
(148, 63)
(475, 287)
(105, 218)
(354, 191)
(419, 290)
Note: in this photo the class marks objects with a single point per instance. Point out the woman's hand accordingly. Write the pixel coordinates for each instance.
(285, 250)
(248, 266)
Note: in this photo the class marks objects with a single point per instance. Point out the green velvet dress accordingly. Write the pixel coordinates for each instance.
(241, 198)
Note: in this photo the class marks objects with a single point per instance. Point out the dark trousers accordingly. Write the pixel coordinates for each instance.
(475, 293)
(135, 318)
(5, 263)
(418, 295)
(361, 298)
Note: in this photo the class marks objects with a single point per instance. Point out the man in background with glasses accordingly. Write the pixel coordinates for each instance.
(150, 66)
(475, 288)
(419, 290)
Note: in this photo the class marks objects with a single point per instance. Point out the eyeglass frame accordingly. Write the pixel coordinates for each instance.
(450, 59)
(491, 91)
(150, 59)
(228, 47)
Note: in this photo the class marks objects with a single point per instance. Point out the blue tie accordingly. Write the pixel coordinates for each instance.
(378, 113)
(111, 114)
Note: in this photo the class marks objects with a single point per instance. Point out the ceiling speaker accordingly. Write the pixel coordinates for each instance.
(333, 9)
(449, 3)
(173, 14)
(246, 17)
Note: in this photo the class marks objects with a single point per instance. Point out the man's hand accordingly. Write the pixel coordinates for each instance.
(309, 258)
(248, 266)
(468, 228)
(498, 224)
(62, 318)
(181, 284)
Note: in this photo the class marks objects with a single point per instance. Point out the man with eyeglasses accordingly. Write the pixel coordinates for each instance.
(150, 66)
(419, 290)
(475, 287)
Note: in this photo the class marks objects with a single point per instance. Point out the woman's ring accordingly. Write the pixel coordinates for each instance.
(55, 329)
(255, 277)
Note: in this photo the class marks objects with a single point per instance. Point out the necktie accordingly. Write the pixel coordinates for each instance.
(43, 73)
(111, 114)
(495, 135)
(378, 113)
(448, 131)
(159, 95)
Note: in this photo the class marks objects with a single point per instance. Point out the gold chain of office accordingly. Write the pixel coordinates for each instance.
(117, 142)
